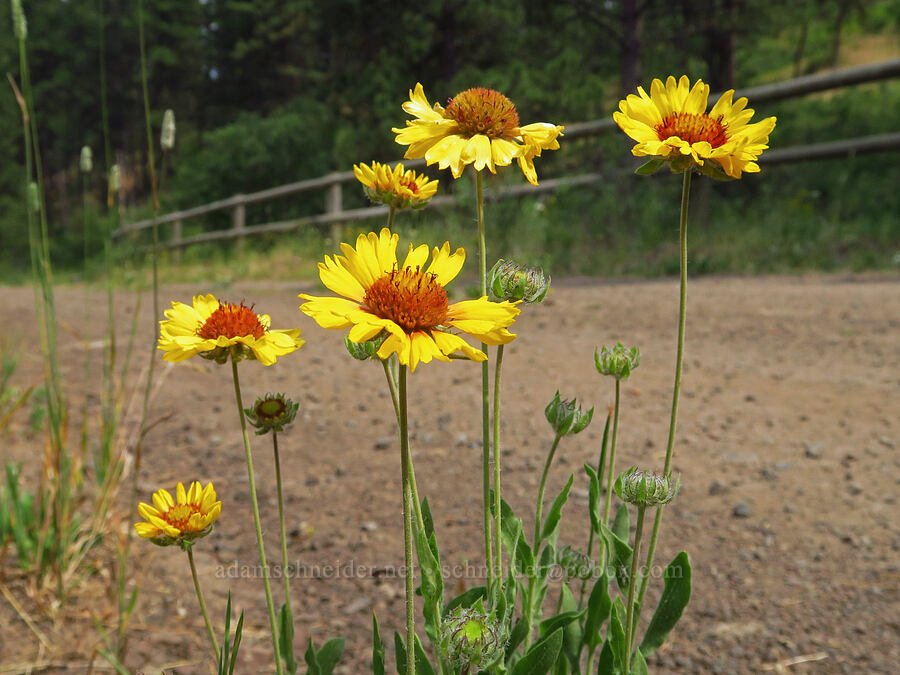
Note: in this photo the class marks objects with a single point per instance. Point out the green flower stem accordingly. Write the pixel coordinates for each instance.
(256, 522)
(284, 551)
(209, 626)
(498, 565)
(540, 499)
(529, 612)
(612, 456)
(151, 161)
(392, 385)
(630, 615)
(407, 526)
(676, 390)
(391, 213)
(485, 385)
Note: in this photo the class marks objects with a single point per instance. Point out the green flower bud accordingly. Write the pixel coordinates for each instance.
(167, 133)
(272, 412)
(566, 417)
(512, 281)
(645, 488)
(618, 361)
(20, 25)
(574, 563)
(87, 160)
(470, 637)
(363, 351)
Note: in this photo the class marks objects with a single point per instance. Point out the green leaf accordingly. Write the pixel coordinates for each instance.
(593, 498)
(572, 634)
(516, 637)
(423, 665)
(286, 638)
(540, 658)
(310, 657)
(621, 523)
(510, 526)
(638, 664)
(561, 620)
(329, 655)
(650, 167)
(618, 558)
(426, 517)
(675, 596)
(551, 522)
(599, 605)
(548, 561)
(616, 635)
(377, 649)
(466, 599)
(525, 558)
(606, 663)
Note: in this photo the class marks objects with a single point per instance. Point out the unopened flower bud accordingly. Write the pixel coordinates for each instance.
(167, 133)
(645, 488)
(567, 417)
(512, 281)
(87, 160)
(20, 25)
(272, 412)
(574, 563)
(618, 361)
(470, 637)
(362, 351)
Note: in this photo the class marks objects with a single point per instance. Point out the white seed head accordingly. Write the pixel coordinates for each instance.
(167, 134)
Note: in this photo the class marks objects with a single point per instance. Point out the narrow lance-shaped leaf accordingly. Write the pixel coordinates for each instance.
(675, 596)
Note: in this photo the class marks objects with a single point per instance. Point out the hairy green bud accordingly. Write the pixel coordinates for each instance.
(272, 412)
(470, 637)
(617, 361)
(511, 281)
(646, 488)
(566, 417)
(363, 351)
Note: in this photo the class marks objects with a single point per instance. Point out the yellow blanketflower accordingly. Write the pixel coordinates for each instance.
(672, 124)
(480, 127)
(407, 302)
(181, 520)
(216, 329)
(399, 187)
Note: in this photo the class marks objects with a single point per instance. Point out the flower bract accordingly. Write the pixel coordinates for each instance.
(182, 519)
(272, 412)
(480, 127)
(217, 330)
(399, 187)
(672, 124)
(407, 302)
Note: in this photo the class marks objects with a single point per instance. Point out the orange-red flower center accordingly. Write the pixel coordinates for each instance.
(483, 111)
(231, 321)
(410, 298)
(693, 129)
(403, 181)
(180, 515)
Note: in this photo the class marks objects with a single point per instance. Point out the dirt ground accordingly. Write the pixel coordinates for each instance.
(787, 448)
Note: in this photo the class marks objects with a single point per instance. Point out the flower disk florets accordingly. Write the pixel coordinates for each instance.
(181, 520)
(409, 297)
(618, 361)
(398, 188)
(566, 417)
(512, 281)
(574, 563)
(470, 637)
(646, 488)
(484, 111)
(272, 412)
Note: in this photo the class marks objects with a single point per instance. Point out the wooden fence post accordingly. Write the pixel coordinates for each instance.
(176, 240)
(238, 222)
(334, 204)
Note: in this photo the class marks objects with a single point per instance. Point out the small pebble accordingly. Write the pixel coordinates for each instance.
(382, 444)
(812, 450)
(742, 510)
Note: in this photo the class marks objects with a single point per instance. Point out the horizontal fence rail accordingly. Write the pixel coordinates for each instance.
(335, 215)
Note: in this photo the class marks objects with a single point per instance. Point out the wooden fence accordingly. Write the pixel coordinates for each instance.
(335, 215)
